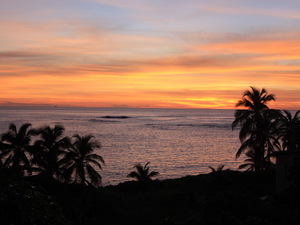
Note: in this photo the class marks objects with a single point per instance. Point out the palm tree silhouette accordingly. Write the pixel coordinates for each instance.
(79, 161)
(256, 100)
(15, 148)
(256, 133)
(289, 131)
(142, 173)
(49, 149)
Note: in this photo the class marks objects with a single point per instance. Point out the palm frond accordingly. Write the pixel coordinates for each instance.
(241, 116)
(133, 174)
(94, 176)
(248, 144)
(96, 157)
(95, 163)
(153, 174)
(13, 128)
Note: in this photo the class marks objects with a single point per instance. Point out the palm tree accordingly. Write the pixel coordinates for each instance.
(15, 148)
(49, 150)
(289, 131)
(142, 173)
(256, 132)
(79, 161)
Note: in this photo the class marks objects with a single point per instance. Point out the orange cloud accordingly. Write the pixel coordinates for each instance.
(76, 62)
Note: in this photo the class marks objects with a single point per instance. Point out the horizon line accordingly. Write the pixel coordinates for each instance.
(119, 107)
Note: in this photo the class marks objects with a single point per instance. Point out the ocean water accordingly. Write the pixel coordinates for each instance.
(176, 142)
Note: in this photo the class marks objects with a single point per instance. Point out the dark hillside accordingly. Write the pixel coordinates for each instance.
(225, 197)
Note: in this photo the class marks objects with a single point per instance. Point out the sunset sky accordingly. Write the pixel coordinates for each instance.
(148, 53)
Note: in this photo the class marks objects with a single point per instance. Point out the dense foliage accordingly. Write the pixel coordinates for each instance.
(264, 131)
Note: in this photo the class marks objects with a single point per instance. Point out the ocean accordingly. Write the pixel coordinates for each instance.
(176, 142)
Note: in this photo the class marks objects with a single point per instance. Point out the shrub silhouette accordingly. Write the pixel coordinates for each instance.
(142, 173)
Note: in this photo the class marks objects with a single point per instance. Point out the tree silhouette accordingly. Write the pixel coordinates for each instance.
(49, 149)
(15, 148)
(257, 133)
(256, 100)
(79, 161)
(142, 173)
(289, 131)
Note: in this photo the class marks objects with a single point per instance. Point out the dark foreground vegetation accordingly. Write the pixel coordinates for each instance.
(221, 197)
